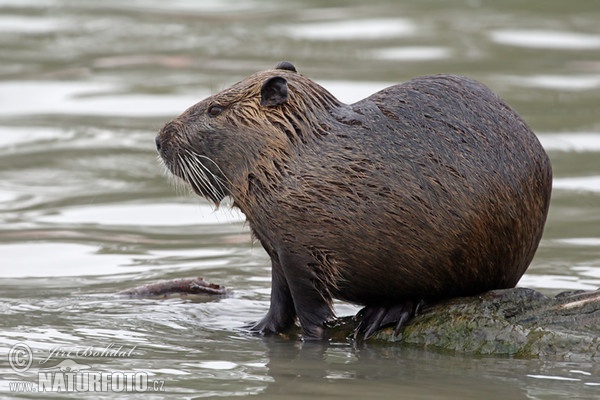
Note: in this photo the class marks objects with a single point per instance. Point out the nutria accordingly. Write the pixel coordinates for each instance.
(429, 189)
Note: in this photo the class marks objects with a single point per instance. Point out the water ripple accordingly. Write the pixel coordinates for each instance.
(170, 214)
(360, 29)
(542, 39)
(580, 142)
(412, 53)
(580, 184)
(570, 82)
(86, 98)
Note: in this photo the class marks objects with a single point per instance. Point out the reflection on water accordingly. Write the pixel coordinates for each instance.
(569, 142)
(358, 29)
(557, 82)
(86, 210)
(81, 98)
(537, 39)
(411, 53)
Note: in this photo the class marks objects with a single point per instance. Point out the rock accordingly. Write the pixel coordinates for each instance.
(520, 322)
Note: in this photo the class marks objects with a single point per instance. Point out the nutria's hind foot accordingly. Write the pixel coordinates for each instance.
(374, 318)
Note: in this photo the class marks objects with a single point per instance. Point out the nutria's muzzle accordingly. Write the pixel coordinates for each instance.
(197, 170)
(166, 141)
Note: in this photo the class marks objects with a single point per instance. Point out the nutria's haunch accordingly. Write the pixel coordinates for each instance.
(429, 189)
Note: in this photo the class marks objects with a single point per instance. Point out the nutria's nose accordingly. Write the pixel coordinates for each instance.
(167, 134)
(158, 142)
(162, 144)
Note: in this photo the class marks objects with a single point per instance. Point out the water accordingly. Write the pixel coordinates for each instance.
(85, 208)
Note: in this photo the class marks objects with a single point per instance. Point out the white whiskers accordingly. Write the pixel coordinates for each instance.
(189, 166)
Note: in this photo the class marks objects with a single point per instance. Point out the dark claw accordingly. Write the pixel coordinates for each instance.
(407, 316)
(371, 321)
(373, 318)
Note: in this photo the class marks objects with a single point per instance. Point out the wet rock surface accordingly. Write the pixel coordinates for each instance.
(520, 322)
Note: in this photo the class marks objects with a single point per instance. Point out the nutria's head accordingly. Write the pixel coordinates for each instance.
(245, 133)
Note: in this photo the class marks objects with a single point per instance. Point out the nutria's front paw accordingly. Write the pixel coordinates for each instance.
(314, 332)
(373, 318)
(270, 325)
(263, 327)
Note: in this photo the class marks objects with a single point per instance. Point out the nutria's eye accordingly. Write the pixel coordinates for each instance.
(215, 110)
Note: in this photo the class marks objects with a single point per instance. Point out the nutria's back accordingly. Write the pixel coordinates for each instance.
(429, 189)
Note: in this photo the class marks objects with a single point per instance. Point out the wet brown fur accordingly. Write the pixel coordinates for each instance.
(429, 189)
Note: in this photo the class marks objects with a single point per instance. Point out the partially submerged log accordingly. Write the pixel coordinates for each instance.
(176, 287)
(520, 322)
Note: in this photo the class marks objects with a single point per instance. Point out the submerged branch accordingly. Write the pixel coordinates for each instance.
(174, 287)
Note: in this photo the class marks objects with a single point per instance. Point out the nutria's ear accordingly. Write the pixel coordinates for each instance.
(274, 92)
(286, 65)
